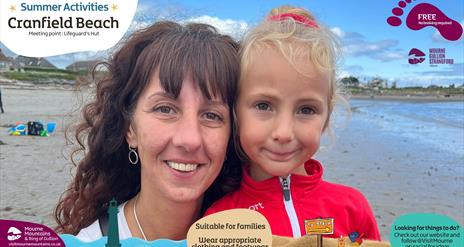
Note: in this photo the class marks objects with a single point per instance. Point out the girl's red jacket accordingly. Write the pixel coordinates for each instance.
(287, 202)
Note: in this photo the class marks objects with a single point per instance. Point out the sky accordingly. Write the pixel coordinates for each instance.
(371, 47)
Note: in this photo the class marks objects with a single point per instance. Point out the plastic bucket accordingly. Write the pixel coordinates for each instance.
(51, 127)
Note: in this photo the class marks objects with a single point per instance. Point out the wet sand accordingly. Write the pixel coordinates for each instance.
(396, 174)
(395, 177)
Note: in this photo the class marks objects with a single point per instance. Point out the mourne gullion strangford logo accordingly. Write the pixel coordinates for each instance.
(416, 56)
(436, 56)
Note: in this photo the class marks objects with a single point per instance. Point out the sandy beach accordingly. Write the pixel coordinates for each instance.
(33, 169)
(396, 176)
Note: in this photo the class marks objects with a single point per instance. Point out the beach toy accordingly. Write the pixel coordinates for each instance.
(43, 133)
(356, 238)
(353, 236)
(34, 128)
(51, 127)
(18, 130)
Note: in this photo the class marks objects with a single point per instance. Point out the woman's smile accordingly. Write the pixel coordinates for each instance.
(182, 167)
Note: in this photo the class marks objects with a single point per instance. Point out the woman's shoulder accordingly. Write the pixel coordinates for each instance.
(90, 233)
(93, 232)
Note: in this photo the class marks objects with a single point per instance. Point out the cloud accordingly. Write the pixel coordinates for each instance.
(441, 76)
(354, 36)
(355, 44)
(350, 70)
(456, 69)
(389, 56)
(146, 14)
(338, 32)
(366, 47)
(355, 68)
(64, 60)
(341, 34)
(383, 50)
(234, 28)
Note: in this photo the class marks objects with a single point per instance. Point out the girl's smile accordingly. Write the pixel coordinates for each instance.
(281, 113)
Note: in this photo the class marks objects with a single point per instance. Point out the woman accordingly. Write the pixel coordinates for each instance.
(156, 135)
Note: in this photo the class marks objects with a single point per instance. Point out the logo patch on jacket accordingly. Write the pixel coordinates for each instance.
(319, 226)
(256, 206)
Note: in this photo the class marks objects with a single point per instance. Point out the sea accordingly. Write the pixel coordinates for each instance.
(437, 125)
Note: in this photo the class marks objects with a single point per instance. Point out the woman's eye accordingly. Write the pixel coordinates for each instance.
(164, 109)
(213, 116)
(263, 106)
(306, 110)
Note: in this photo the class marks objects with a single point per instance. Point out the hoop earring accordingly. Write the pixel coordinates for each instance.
(133, 154)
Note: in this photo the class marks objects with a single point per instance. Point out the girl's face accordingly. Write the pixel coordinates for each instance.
(281, 114)
(181, 142)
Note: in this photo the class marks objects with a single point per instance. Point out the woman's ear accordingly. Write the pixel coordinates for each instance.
(131, 137)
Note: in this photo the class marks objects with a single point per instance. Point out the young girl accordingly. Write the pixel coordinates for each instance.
(286, 95)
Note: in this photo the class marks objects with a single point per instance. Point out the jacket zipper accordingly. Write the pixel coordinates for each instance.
(289, 207)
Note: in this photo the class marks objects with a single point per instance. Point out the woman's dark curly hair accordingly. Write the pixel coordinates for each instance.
(104, 172)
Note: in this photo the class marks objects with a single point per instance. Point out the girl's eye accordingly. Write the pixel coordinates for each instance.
(306, 110)
(164, 109)
(263, 106)
(211, 116)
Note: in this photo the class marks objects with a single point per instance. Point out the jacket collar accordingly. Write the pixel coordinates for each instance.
(299, 183)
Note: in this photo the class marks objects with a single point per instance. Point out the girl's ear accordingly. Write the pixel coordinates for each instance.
(131, 137)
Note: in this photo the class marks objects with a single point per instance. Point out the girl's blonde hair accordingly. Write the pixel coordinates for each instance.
(297, 35)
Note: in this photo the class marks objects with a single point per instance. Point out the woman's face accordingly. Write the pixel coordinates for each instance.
(181, 142)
